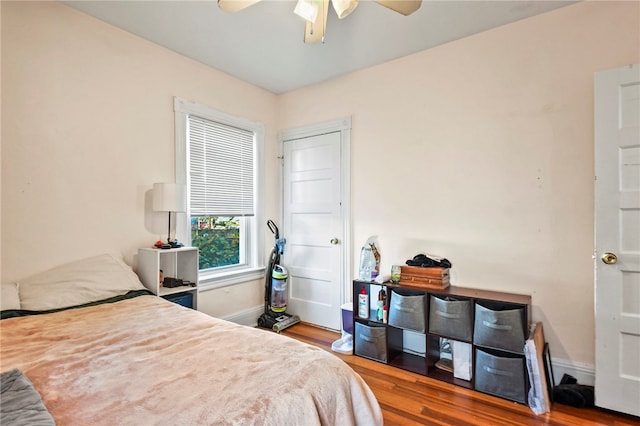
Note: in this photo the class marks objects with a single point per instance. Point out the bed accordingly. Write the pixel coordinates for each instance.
(132, 358)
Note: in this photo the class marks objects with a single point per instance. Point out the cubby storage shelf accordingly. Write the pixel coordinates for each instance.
(488, 327)
(180, 263)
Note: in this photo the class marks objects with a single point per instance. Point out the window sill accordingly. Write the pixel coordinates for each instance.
(213, 281)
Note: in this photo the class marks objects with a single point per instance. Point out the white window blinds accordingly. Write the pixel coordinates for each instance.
(221, 169)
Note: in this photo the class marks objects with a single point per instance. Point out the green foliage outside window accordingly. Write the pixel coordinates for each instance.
(218, 238)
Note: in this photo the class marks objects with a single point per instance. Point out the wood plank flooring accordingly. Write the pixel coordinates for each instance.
(410, 399)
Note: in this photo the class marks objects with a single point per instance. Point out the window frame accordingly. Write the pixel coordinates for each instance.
(254, 267)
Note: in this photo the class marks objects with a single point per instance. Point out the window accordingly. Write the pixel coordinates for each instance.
(219, 157)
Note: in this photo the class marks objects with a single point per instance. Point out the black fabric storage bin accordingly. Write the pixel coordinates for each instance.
(499, 329)
(371, 342)
(502, 376)
(184, 299)
(450, 318)
(407, 310)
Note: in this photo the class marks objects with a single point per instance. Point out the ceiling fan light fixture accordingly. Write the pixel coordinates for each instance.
(344, 7)
(233, 6)
(314, 12)
(307, 9)
(403, 7)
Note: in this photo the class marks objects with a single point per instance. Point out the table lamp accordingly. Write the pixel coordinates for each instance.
(169, 197)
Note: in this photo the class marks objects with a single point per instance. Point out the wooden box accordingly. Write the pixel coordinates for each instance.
(416, 276)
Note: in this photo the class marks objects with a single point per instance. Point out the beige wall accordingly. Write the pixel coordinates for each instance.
(88, 128)
(0, 146)
(481, 150)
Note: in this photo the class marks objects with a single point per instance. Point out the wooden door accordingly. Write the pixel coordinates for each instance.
(314, 225)
(617, 253)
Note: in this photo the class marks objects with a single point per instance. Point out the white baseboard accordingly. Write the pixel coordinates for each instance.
(248, 317)
(585, 374)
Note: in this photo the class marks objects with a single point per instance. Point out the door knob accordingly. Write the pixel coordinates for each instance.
(609, 258)
(334, 241)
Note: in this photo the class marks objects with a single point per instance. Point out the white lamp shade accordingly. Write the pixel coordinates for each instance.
(169, 197)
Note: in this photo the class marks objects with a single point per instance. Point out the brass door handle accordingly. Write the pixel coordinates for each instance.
(334, 241)
(610, 258)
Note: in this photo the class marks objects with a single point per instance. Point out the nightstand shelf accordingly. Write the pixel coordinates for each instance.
(180, 263)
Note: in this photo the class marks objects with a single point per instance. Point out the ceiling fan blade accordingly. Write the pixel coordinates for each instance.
(404, 7)
(314, 32)
(344, 7)
(232, 6)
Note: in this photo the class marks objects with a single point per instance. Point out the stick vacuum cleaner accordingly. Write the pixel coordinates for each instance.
(275, 291)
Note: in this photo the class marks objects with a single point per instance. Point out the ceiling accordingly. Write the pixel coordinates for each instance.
(263, 44)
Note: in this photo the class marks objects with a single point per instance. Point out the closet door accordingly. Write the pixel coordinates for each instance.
(315, 199)
(617, 259)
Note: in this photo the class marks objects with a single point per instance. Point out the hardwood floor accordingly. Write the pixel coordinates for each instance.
(409, 399)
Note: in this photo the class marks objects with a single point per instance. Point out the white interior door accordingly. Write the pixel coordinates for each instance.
(617, 151)
(314, 225)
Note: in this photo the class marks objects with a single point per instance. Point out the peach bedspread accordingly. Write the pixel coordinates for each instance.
(146, 361)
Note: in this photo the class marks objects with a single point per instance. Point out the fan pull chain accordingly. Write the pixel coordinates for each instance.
(324, 20)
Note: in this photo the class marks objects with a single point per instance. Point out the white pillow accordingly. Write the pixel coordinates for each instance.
(9, 299)
(76, 283)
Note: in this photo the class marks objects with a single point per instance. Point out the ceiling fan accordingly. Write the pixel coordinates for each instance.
(315, 12)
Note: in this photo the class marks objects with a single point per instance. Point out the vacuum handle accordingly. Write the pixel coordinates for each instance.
(273, 228)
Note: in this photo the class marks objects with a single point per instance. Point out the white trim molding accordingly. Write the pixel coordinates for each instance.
(253, 266)
(585, 374)
(343, 125)
(248, 317)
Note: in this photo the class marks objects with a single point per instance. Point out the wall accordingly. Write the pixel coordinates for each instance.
(87, 128)
(481, 150)
(0, 147)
